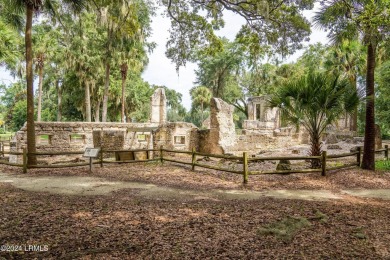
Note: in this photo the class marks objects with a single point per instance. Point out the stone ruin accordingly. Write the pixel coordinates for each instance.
(262, 131)
(158, 111)
(76, 136)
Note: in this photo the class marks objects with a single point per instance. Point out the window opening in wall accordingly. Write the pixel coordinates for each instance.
(180, 139)
(77, 138)
(258, 111)
(143, 137)
(44, 139)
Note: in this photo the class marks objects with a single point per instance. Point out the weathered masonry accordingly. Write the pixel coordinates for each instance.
(76, 136)
(262, 131)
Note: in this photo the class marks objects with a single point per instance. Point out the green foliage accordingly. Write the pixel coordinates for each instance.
(196, 116)
(201, 97)
(138, 100)
(383, 165)
(314, 101)
(369, 21)
(215, 71)
(285, 229)
(278, 26)
(382, 103)
(10, 45)
(17, 116)
(313, 58)
(13, 99)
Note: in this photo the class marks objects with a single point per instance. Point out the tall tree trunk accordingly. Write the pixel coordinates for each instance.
(124, 69)
(201, 115)
(123, 101)
(59, 101)
(87, 103)
(369, 134)
(31, 146)
(354, 119)
(128, 118)
(97, 111)
(315, 149)
(39, 117)
(105, 95)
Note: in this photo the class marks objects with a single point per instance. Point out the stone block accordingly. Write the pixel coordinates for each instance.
(283, 165)
(334, 147)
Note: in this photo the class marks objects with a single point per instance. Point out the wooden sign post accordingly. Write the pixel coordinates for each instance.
(91, 153)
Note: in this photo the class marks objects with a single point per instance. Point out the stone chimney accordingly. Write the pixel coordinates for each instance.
(158, 107)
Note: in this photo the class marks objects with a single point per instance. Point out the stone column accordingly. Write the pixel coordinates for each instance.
(158, 109)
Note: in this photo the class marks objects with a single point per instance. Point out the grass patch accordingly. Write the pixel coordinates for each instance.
(335, 164)
(323, 218)
(286, 228)
(382, 165)
(359, 233)
(5, 137)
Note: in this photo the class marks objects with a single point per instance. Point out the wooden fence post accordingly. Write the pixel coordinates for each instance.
(323, 163)
(101, 157)
(2, 148)
(193, 158)
(387, 152)
(359, 156)
(245, 167)
(24, 160)
(161, 154)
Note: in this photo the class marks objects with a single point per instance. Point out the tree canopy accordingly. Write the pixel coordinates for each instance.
(88, 58)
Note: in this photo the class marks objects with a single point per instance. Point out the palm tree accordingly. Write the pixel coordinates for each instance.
(44, 43)
(84, 55)
(124, 69)
(200, 96)
(124, 21)
(370, 21)
(347, 60)
(113, 16)
(314, 101)
(133, 54)
(30, 7)
(9, 45)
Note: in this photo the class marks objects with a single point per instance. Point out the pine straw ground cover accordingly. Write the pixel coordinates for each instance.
(124, 225)
(174, 175)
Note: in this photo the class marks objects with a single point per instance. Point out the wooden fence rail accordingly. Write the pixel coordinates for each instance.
(244, 160)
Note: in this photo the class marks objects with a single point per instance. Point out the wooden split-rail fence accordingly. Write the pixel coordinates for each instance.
(166, 155)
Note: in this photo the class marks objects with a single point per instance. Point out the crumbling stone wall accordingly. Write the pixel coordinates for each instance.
(260, 115)
(58, 136)
(158, 111)
(222, 133)
(178, 135)
(261, 132)
(76, 136)
(255, 143)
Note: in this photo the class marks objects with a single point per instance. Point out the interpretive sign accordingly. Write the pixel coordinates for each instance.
(91, 152)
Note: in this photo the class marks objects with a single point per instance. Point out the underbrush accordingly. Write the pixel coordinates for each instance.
(382, 165)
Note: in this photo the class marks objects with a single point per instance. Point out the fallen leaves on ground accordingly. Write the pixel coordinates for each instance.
(124, 225)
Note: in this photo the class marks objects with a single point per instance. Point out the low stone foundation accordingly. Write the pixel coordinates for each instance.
(76, 136)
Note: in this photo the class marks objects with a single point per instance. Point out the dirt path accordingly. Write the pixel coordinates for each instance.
(100, 186)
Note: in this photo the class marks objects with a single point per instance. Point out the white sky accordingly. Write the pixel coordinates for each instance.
(161, 71)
